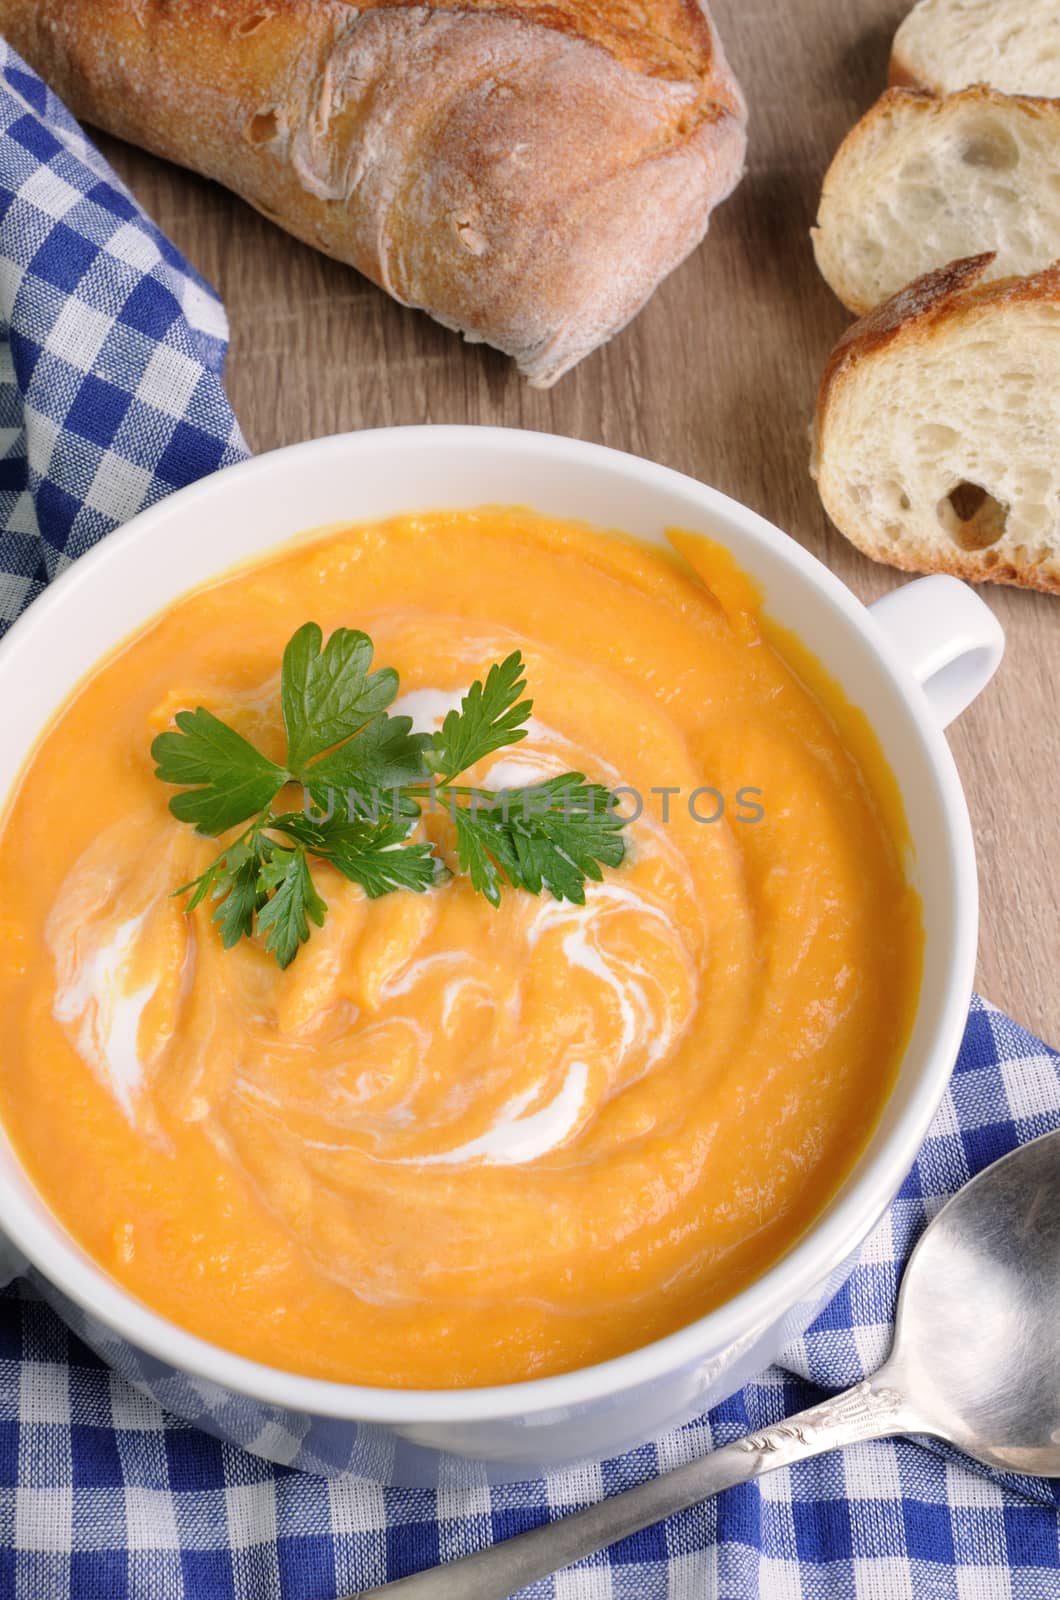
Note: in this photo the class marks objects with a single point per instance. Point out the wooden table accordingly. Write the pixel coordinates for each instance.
(716, 377)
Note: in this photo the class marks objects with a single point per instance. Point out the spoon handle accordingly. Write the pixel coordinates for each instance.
(869, 1411)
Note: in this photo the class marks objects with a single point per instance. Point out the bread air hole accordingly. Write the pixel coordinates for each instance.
(991, 147)
(889, 500)
(263, 127)
(972, 516)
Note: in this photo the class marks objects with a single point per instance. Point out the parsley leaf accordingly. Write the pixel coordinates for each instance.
(375, 855)
(380, 861)
(328, 694)
(232, 879)
(284, 918)
(490, 716)
(552, 835)
(235, 780)
(348, 754)
(483, 853)
(385, 756)
(242, 894)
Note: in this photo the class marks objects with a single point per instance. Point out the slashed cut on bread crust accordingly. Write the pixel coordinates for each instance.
(937, 428)
(922, 181)
(948, 44)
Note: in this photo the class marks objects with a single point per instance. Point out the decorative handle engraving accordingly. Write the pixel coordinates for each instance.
(860, 1413)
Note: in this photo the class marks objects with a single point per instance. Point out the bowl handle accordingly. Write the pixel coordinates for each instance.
(948, 638)
(12, 1265)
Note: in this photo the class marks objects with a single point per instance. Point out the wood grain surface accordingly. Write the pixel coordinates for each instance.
(716, 377)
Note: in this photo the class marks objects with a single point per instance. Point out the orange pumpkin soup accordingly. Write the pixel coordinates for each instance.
(452, 1145)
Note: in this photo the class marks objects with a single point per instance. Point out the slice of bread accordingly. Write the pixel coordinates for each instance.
(948, 44)
(922, 181)
(937, 426)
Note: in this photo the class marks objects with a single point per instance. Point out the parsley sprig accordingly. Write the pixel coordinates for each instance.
(342, 741)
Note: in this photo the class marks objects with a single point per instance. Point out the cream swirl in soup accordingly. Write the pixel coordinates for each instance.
(428, 1047)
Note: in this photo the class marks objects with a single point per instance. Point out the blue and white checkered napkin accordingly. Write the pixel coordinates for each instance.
(110, 363)
(110, 396)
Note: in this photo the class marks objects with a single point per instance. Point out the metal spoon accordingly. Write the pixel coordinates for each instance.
(975, 1361)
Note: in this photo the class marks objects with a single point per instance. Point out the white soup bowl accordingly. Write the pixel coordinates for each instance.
(912, 662)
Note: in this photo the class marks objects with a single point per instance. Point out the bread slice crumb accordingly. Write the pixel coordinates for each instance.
(935, 446)
(1014, 45)
(922, 181)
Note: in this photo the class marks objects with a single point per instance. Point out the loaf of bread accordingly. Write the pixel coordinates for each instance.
(922, 181)
(1014, 45)
(526, 173)
(937, 428)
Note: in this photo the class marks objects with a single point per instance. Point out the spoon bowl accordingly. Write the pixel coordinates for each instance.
(978, 1327)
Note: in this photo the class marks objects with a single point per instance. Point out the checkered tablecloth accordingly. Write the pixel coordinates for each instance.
(111, 349)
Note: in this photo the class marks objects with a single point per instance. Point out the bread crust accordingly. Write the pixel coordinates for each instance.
(914, 316)
(981, 93)
(527, 173)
